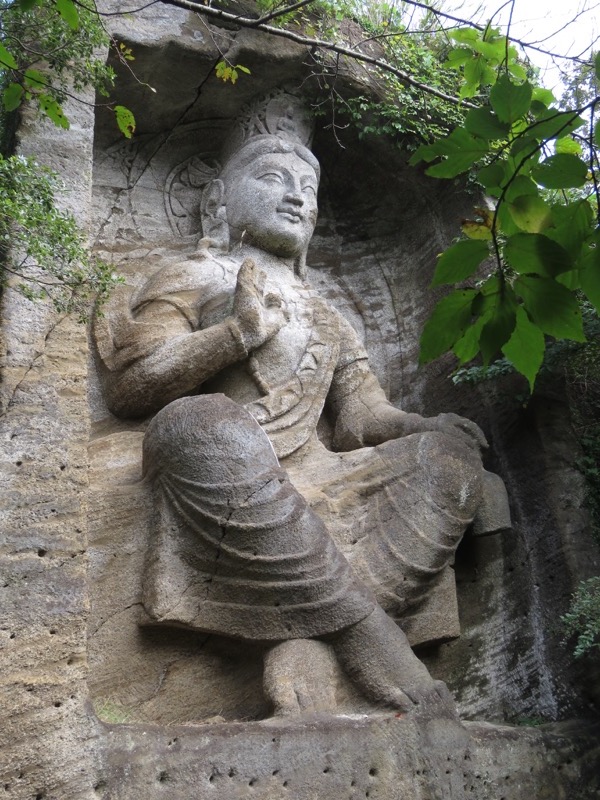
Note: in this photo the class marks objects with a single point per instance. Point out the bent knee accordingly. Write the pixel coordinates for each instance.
(447, 468)
(208, 437)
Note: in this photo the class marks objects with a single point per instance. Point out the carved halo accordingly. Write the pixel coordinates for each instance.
(183, 193)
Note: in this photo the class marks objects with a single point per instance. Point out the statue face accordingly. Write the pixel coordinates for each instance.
(272, 204)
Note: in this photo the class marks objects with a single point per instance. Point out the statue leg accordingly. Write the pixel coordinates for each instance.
(376, 655)
(299, 677)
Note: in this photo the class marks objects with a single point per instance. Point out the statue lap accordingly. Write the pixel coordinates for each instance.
(239, 551)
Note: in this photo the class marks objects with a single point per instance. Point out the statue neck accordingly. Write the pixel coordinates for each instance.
(276, 267)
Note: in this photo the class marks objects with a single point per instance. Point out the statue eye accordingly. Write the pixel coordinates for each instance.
(310, 189)
(271, 177)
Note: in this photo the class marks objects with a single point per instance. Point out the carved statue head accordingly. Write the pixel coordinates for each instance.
(266, 192)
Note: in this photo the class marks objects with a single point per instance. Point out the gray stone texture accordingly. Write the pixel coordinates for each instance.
(47, 734)
(236, 547)
(327, 758)
(75, 527)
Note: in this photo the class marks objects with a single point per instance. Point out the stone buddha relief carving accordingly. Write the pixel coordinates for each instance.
(260, 531)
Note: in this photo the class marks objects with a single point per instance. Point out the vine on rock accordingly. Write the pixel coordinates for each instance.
(48, 52)
(55, 262)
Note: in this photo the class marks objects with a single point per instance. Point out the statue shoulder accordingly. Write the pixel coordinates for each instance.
(136, 319)
(206, 272)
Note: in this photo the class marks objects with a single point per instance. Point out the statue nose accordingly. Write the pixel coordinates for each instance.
(294, 197)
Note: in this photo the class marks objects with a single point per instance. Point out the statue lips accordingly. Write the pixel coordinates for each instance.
(292, 214)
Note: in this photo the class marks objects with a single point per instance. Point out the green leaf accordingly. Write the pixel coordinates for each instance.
(477, 230)
(521, 185)
(590, 276)
(597, 65)
(484, 123)
(125, 121)
(597, 134)
(571, 225)
(517, 70)
(457, 57)
(568, 145)
(68, 11)
(504, 221)
(425, 152)
(563, 171)
(497, 330)
(492, 50)
(552, 307)
(524, 153)
(53, 110)
(7, 60)
(497, 304)
(525, 348)
(579, 213)
(34, 78)
(552, 124)
(543, 96)
(461, 149)
(464, 35)
(243, 69)
(467, 347)
(223, 70)
(474, 75)
(510, 100)
(447, 324)
(530, 213)
(570, 279)
(459, 261)
(492, 177)
(537, 108)
(535, 253)
(12, 96)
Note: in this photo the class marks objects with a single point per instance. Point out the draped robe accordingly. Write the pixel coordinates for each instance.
(237, 549)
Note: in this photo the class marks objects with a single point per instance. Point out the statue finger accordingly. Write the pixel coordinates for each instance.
(273, 300)
(473, 430)
(259, 280)
(246, 272)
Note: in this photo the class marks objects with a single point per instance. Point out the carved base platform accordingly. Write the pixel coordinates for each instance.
(385, 756)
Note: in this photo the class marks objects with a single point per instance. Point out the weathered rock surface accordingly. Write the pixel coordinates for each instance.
(379, 231)
(47, 735)
(322, 757)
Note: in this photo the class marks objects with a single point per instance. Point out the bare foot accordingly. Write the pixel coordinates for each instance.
(376, 655)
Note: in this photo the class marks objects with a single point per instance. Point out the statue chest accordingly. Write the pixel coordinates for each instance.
(307, 341)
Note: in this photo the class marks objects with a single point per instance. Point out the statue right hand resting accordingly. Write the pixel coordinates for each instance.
(259, 316)
(451, 424)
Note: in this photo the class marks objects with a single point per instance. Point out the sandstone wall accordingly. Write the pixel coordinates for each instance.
(75, 521)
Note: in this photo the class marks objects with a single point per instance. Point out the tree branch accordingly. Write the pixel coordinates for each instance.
(307, 41)
(470, 24)
(282, 11)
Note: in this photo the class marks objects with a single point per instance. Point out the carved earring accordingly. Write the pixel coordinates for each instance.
(212, 210)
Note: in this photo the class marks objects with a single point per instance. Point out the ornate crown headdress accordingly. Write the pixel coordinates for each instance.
(278, 113)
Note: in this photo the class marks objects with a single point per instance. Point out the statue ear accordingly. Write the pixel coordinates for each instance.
(212, 210)
(212, 198)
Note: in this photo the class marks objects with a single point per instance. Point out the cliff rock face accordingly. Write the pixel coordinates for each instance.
(98, 706)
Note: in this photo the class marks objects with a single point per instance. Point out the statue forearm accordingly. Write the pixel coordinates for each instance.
(364, 416)
(174, 368)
